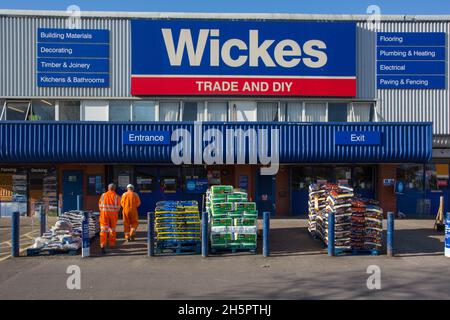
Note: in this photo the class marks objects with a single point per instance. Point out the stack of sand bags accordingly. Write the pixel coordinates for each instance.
(316, 203)
(67, 232)
(61, 237)
(358, 222)
(373, 227)
(358, 210)
(339, 202)
(75, 217)
(232, 218)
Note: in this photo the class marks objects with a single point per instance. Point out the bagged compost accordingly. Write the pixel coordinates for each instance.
(358, 222)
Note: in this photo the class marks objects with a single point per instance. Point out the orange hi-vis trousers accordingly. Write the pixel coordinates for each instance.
(130, 202)
(108, 223)
(130, 224)
(109, 205)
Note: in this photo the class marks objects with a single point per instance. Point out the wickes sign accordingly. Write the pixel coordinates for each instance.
(190, 57)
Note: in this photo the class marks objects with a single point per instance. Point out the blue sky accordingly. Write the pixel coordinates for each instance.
(281, 6)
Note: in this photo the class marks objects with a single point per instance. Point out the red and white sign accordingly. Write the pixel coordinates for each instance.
(298, 86)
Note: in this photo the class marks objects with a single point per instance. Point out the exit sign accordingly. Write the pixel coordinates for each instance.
(357, 138)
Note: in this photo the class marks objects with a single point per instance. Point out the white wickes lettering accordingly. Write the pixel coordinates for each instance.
(226, 53)
(185, 41)
(321, 57)
(259, 51)
(235, 53)
(281, 52)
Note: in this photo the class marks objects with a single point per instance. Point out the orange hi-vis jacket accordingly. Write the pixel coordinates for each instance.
(109, 202)
(130, 202)
(109, 205)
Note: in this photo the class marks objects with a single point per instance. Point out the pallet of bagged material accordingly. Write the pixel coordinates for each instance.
(178, 247)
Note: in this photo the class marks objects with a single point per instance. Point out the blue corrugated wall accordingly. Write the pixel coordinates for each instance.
(97, 142)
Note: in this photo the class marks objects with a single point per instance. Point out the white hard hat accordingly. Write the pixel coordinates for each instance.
(130, 186)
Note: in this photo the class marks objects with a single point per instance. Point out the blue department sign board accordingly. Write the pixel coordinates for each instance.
(411, 60)
(72, 58)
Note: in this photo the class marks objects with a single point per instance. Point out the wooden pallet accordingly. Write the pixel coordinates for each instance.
(52, 252)
(357, 252)
(177, 248)
(232, 250)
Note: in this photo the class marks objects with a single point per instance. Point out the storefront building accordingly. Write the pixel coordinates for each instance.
(176, 102)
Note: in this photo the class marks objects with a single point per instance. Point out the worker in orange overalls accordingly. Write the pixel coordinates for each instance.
(130, 202)
(109, 205)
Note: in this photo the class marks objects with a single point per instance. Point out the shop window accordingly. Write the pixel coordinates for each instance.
(169, 179)
(193, 111)
(13, 191)
(267, 111)
(119, 110)
(302, 177)
(323, 174)
(123, 175)
(442, 175)
(214, 177)
(315, 112)
(337, 112)
(194, 179)
(169, 184)
(294, 111)
(43, 190)
(69, 111)
(144, 110)
(217, 111)
(244, 111)
(410, 177)
(95, 110)
(360, 112)
(169, 111)
(42, 110)
(343, 175)
(436, 176)
(96, 185)
(15, 110)
(146, 181)
(363, 178)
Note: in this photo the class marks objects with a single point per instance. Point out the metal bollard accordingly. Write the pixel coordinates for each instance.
(79, 202)
(15, 235)
(205, 234)
(86, 240)
(150, 234)
(266, 228)
(390, 234)
(43, 220)
(331, 250)
(447, 235)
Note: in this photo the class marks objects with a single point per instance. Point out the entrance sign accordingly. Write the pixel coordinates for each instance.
(146, 137)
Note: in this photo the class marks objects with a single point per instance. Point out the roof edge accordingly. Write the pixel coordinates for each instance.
(234, 16)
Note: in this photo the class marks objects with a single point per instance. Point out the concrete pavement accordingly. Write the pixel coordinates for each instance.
(297, 269)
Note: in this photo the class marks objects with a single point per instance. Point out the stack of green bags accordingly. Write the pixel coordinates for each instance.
(232, 218)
